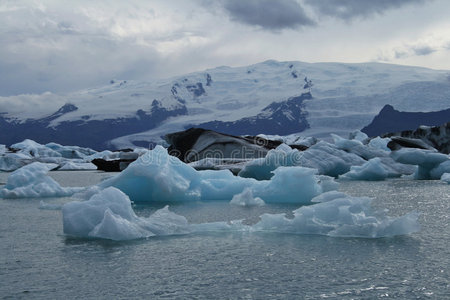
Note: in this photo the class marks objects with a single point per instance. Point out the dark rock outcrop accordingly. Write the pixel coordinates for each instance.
(280, 118)
(424, 137)
(84, 132)
(391, 120)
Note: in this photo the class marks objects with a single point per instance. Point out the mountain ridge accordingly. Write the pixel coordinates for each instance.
(342, 98)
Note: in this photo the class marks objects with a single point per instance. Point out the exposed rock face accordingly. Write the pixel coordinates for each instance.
(424, 137)
(290, 116)
(391, 120)
(86, 133)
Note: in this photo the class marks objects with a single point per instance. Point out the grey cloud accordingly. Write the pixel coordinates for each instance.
(423, 50)
(351, 9)
(268, 14)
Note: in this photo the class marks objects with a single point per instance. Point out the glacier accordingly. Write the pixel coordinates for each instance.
(109, 215)
(345, 97)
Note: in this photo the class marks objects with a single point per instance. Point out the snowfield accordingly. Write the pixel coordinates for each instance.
(345, 97)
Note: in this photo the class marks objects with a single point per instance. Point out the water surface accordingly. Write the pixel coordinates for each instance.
(38, 261)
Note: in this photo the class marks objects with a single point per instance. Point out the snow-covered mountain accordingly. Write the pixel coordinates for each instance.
(270, 97)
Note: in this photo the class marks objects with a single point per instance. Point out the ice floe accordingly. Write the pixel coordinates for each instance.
(340, 217)
(431, 165)
(109, 215)
(446, 177)
(32, 181)
(372, 170)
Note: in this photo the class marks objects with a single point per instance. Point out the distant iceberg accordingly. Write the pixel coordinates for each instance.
(32, 181)
(157, 176)
(431, 164)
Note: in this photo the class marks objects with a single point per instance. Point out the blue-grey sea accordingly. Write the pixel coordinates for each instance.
(37, 261)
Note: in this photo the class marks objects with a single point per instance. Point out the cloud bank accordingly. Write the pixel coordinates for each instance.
(268, 14)
(351, 9)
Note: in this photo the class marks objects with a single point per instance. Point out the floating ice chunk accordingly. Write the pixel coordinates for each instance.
(109, 215)
(328, 183)
(440, 170)
(106, 154)
(71, 152)
(341, 217)
(357, 147)
(372, 170)
(290, 185)
(31, 181)
(261, 168)
(34, 149)
(446, 177)
(328, 159)
(13, 161)
(246, 199)
(380, 143)
(71, 166)
(358, 136)
(157, 176)
(427, 160)
(2, 149)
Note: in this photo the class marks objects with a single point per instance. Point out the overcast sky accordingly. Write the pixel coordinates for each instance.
(61, 46)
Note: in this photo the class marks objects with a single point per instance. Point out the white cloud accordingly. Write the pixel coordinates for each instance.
(61, 46)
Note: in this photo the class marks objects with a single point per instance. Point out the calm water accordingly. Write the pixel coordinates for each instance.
(38, 261)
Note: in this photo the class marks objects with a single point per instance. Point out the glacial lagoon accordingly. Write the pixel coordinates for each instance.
(39, 261)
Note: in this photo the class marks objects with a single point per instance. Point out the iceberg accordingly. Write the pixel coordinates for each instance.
(380, 143)
(262, 168)
(109, 215)
(70, 152)
(440, 170)
(446, 177)
(33, 149)
(431, 165)
(32, 181)
(73, 166)
(357, 147)
(246, 199)
(372, 170)
(12, 161)
(328, 159)
(158, 177)
(340, 216)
